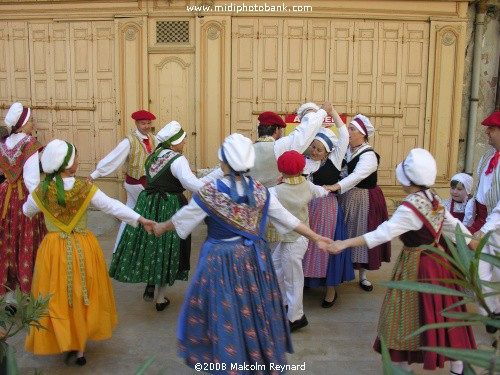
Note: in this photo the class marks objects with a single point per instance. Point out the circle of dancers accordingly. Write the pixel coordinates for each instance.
(278, 221)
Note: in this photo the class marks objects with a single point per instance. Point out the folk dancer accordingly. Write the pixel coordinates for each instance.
(140, 258)
(487, 209)
(325, 214)
(70, 264)
(20, 236)
(361, 199)
(420, 220)
(233, 311)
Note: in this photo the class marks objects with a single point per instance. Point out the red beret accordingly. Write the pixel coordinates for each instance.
(271, 118)
(143, 115)
(493, 119)
(291, 163)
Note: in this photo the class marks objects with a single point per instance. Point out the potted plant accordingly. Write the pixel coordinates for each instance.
(464, 264)
(18, 313)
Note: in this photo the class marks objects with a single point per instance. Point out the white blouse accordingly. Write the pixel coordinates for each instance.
(115, 159)
(367, 164)
(190, 216)
(31, 168)
(100, 201)
(404, 220)
(485, 182)
(336, 156)
(302, 136)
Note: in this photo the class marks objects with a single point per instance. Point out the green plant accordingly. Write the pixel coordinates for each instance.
(19, 313)
(464, 264)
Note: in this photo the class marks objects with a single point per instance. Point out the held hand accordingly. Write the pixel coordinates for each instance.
(479, 234)
(159, 229)
(332, 188)
(328, 108)
(147, 224)
(337, 247)
(90, 179)
(323, 243)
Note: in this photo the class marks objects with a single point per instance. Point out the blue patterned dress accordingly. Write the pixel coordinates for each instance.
(233, 312)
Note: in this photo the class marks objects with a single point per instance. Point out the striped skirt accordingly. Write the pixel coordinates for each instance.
(320, 268)
(365, 210)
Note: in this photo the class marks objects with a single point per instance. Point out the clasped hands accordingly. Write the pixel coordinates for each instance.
(329, 245)
(332, 188)
(153, 227)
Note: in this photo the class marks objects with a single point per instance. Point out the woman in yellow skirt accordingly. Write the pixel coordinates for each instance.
(70, 264)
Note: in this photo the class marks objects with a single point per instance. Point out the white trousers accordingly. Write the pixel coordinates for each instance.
(133, 192)
(287, 259)
(489, 272)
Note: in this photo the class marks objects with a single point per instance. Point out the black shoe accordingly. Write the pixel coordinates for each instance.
(327, 304)
(366, 288)
(162, 306)
(491, 329)
(69, 356)
(149, 293)
(81, 361)
(298, 324)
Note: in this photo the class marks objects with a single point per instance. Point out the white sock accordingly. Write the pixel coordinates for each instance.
(160, 298)
(457, 367)
(404, 365)
(362, 277)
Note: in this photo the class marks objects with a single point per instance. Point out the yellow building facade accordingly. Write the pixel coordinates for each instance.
(85, 66)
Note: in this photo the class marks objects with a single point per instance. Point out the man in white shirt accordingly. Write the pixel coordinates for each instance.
(487, 213)
(133, 151)
(271, 144)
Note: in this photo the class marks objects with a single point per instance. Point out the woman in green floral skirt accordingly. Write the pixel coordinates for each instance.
(141, 258)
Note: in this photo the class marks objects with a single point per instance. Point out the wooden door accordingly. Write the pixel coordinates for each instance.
(171, 85)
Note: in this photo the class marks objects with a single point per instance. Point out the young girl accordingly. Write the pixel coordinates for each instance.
(419, 220)
(233, 311)
(460, 205)
(70, 265)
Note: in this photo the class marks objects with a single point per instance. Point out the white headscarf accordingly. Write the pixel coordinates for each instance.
(361, 119)
(170, 131)
(237, 151)
(14, 115)
(54, 154)
(419, 168)
(466, 180)
(327, 138)
(306, 107)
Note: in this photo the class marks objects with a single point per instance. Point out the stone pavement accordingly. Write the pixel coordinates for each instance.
(337, 341)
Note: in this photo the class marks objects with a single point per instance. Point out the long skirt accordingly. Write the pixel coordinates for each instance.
(20, 238)
(82, 306)
(144, 258)
(364, 210)
(320, 268)
(404, 311)
(233, 311)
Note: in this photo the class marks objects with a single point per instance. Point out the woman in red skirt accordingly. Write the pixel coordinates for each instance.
(20, 235)
(419, 220)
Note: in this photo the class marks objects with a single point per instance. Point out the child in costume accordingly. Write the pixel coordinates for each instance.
(420, 220)
(233, 311)
(70, 264)
(460, 205)
(294, 193)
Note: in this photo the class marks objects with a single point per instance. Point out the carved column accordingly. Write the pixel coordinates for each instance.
(132, 70)
(444, 96)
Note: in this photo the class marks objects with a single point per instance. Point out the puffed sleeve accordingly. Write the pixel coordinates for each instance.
(114, 207)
